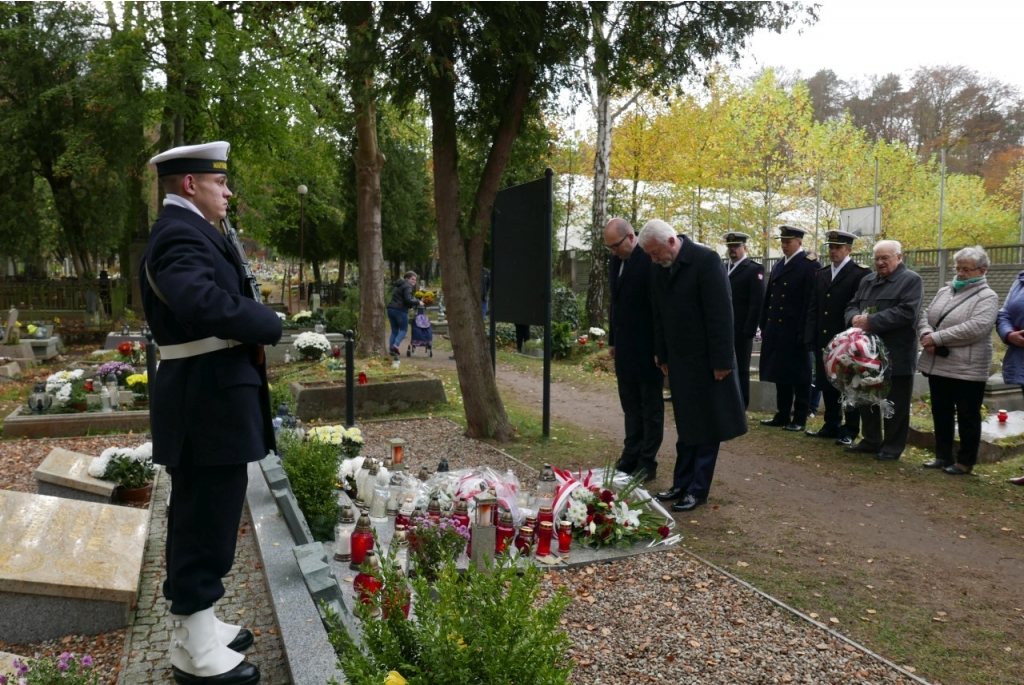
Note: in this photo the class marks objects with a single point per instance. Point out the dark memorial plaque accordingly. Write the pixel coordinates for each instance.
(521, 234)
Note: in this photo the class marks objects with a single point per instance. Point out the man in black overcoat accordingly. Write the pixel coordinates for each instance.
(746, 279)
(784, 358)
(630, 331)
(693, 341)
(209, 403)
(834, 287)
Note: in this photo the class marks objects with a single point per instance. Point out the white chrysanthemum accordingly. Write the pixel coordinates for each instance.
(350, 467)
(63, 394)
(145, 449)
(577, 513)
(310, 343)
(582, 494)
(597, 332)
(98, 466)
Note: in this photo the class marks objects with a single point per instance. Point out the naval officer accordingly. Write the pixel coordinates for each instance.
(746, 279)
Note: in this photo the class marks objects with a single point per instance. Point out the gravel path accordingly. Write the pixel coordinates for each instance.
(654, 618)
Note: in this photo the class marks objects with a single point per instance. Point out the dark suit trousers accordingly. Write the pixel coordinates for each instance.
(834, 410)
(957, 400)
(793, 402)
(744, 349)
(695, 467)
(897, 427)
(202, 529)
(644, 411)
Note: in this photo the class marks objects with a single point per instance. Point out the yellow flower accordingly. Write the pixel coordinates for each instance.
(137, 378)
(395, 678)
(56, 319)
(31, 329)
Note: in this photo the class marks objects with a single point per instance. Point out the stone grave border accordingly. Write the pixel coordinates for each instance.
(300, 573)
(18, 425)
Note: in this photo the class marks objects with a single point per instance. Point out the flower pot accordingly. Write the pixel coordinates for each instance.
(79, 406)
(128, 495)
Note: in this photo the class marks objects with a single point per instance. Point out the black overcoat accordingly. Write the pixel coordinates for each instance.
(788, 295)
(893, 306)
(693, 334)
(214, 408)
(631, 318)
(826, 317)
(747, 283)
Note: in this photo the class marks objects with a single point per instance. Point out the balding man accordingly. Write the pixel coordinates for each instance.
(888, 304)
(630, 333)
(693, 340)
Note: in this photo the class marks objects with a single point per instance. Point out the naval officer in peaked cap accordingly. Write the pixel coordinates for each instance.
(784, 359)
(746, 280)
(210, 403)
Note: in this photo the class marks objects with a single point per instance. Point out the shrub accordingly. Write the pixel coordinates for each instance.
(344, 317)
(562, 340)
(473, 627)
(281, 394)
(312, 469)
(65, 669)
(564, 308)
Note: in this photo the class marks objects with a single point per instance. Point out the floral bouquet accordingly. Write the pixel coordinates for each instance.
(602, 517)
(129, 468)
(61, 385)
(350, 439)
(427, 296)
(133, 352)
(598, 335)
(139, 383)
(857, 364)
(435, 541)
(119, 369)
(311, 345)
(46, 670)
(303, 318)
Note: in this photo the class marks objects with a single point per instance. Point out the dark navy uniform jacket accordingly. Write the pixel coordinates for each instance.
(826, 317)
(788, 295)
(214, 408)
(747, 283)
(631, 319)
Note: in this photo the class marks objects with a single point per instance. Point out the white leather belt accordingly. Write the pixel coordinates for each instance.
(195, 348)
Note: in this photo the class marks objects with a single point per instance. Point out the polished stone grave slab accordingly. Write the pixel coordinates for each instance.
(66, 474)
(67, 566)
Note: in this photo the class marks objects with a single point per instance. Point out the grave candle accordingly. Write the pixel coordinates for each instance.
(524, 541)
(545, 514)
(547, 529)
(343, 534)
(366, 583)
(564, 536)
(362, 541)
(461, 516)
(506, 531)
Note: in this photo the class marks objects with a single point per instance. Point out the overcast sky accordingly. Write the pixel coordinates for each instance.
(859, 38)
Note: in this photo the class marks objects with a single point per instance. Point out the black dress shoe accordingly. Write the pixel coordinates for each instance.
(773, 422)
(1019, 480)
(242, 674)
(885, 456)
(957, 470)
(625, 467)
(670, 494)
(862, 447)
(689, 503)
(935, 464)
(793, 427)
(242, 641)
(647, 473)
(824, 432)
(844, 440)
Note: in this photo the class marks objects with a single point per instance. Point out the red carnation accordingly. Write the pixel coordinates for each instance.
(663, 531)
(125, 348)
(589, 519)
(590, 509)
(605, 533)
(599, 519)
(607, 496)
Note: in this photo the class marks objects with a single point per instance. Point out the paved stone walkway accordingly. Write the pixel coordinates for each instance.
(246, 603)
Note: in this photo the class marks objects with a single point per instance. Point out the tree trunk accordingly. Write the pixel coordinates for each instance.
(485, 413)
(372, 340)
(599, 213)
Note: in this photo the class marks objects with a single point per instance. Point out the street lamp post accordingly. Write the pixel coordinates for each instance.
(302, 232)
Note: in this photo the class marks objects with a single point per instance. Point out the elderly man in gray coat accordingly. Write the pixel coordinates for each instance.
(888, 304)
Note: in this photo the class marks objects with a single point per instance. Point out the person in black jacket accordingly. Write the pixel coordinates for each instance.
(209, 404)
(630, 344)
(746, 278)
(398, 308)
(834, 287)
(784, 358)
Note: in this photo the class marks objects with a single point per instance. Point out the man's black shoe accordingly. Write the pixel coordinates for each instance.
(885, 456)
(824, 432)
(773, 422)
(648, 474)
(689, 503)
(670, 494)
(625, 467)
(936, 464)
(793, 427)
(242, 641)
(844, 440)
(242, 674)
(862, 447)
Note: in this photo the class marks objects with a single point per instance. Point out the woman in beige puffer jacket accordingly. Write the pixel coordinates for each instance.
(956, 334)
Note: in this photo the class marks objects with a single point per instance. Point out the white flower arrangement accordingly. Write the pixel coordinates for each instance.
(59, 385)
(128, 466)
(350, 439)
(300, 316)
(312, 345)
(596, 332)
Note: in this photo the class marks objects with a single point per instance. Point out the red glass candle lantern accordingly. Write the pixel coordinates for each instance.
(564, 536)
(336, 352)
(506, 531)
(362, 541)
(1003, 415)
(88, 385)
(461, 517)
(545, 513)
(434, 509)
(367, 583)
(531, 523)
(362, 378)
(547, 530)
(524, 541)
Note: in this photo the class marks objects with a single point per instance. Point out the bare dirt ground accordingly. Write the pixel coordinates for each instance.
(903, 560)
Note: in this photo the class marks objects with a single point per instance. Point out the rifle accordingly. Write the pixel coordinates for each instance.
(250, 277)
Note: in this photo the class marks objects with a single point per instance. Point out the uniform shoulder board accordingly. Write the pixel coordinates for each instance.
(811, 255)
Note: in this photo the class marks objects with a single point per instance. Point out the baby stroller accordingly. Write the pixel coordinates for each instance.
(422, 333)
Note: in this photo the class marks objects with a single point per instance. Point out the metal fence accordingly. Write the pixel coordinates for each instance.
(108, 298)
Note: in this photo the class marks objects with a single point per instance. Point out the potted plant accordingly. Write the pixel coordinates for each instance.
(312, 346)
(66, 669)
(131, 469)
(436, 542)
(138, 383)
(77, 399)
